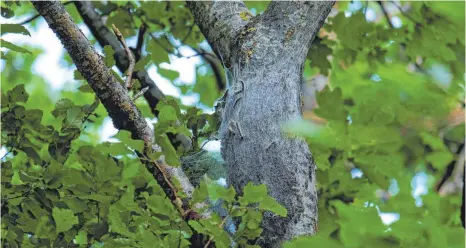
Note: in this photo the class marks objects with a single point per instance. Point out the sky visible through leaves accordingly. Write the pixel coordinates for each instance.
(390, 133)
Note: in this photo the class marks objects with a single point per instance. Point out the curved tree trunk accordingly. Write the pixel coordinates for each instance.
(264, 59)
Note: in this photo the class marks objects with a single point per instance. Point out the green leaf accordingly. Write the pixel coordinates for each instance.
(159, 204)
(116, 223)
(77, 75)
(143, 63)
(81, 238)
(159, 55)
(14, 29)
(18, 94)
(318, 54)
(108, 52)
(253, 194)
(331, 105)
(130, 171)
(171, 157)
(13, 47)
(33, 117)
(74, 117)
(315, 241)
(61, 107)
(270, 204)
(167, 73)
(125, 137)
(85, 88)
(167, 113)
(435, 142)
(64, 219)
(7, 12)
(207, 89)
(440, 159)
(219, 192)
(199, 194)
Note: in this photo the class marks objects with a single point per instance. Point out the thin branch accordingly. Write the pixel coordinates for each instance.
(365, 7)
(140, 93)
(187, 35)
(105, 37)
(129, 71)
(140, 43)
(455, 182)
(212, 237)
(405, 14)
(156, 40)
(18, 196)
(38, 15)
(213, 61)
(385, 13)
(6, 154)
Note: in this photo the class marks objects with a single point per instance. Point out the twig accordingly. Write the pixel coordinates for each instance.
(365, 7)
(130, 70)
(140, 43)
(140, 93)
(38, 15)
(385, 13)
(24, 194)
(8, 152)
(187, 35)
(405, 14)
(212, 237)
(455, 182)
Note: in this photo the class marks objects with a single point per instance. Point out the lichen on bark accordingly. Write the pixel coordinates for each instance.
(264, 57)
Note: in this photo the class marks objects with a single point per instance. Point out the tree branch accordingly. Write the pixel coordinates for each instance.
(140, 43)
(106, 38)
(455, 181)
(215, 65)
(288, 21)
(129, 71)
(114, 97)
(38, 15)
(103, 35)
(220, 22)
(385, 13)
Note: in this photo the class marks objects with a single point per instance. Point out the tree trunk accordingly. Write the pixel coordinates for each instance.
(264, 59)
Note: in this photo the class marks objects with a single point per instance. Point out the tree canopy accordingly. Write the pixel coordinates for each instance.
(385, 129)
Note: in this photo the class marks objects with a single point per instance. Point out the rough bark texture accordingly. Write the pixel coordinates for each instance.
(105, 37)
(114, 97)
(264, 60)
(220, 22)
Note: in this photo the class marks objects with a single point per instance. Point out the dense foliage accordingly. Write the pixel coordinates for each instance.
(393, 111)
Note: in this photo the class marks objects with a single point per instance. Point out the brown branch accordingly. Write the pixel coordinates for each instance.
(214, 63)
(140, 43)
(385, 13)
(129, 71)
(405, 14)
(143, 90)
(455, 181)
(114, 97)
(38, 15)
(103, 35)
(212, 237)
(106, 38)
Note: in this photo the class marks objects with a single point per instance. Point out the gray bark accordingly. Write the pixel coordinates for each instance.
(114, 97)
(106, 38)
(264, 59)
